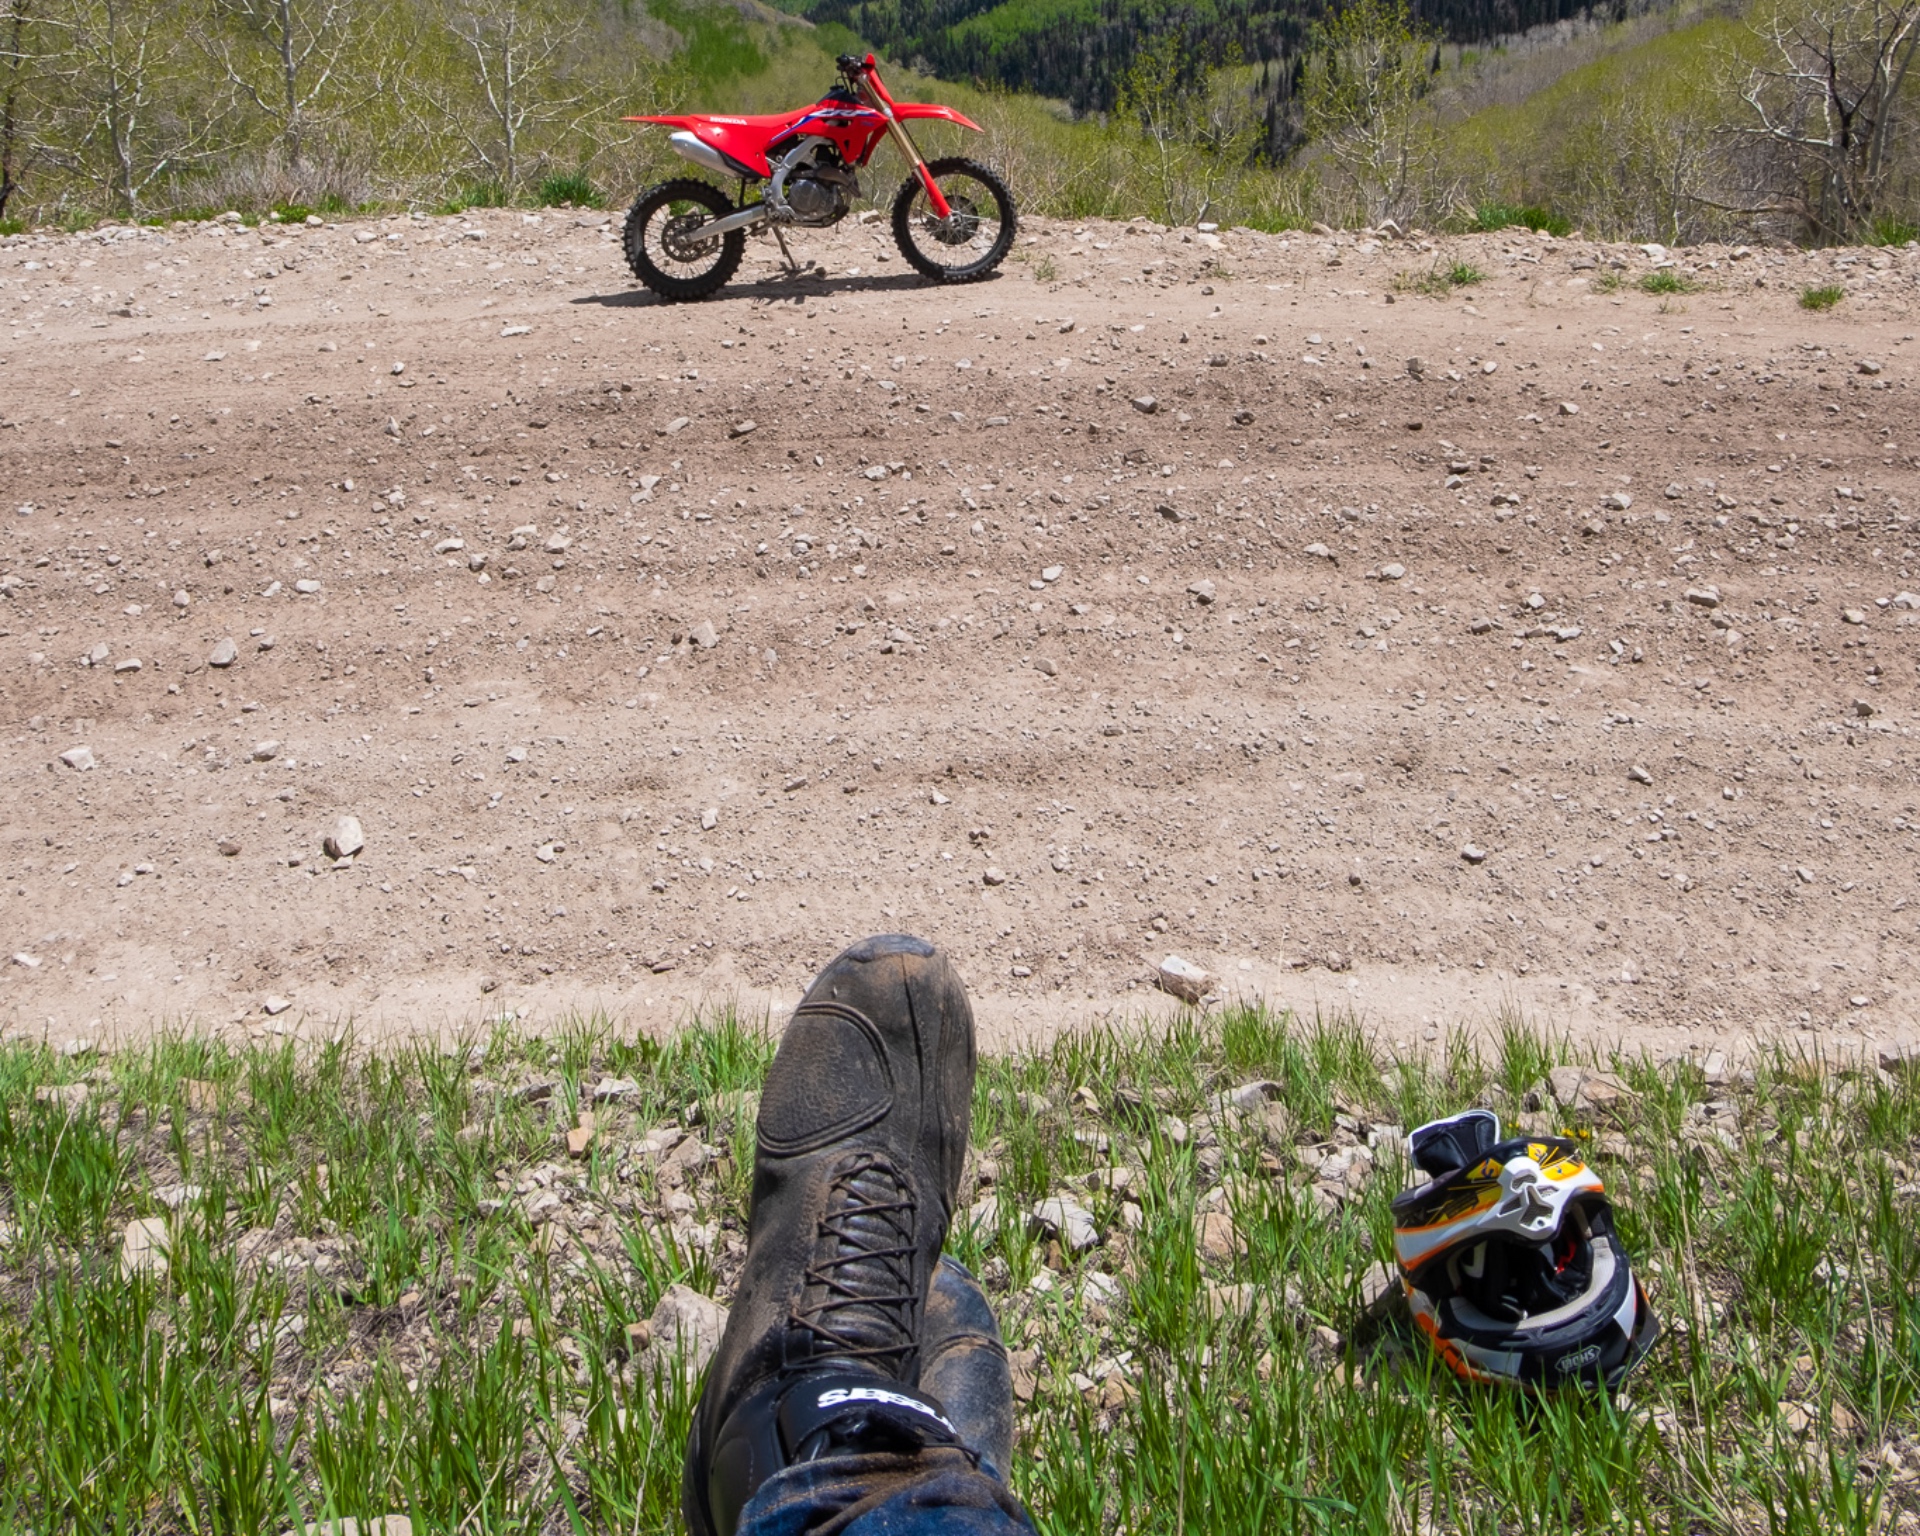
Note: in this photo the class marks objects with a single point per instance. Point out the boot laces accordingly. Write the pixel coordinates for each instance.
(857, 1298)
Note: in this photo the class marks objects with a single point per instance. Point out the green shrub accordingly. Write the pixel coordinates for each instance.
(1888, 230)
(1463, 275)
(1822, 298)
(1607, 282)
(1666, 280)
(1489, 217)
(292, 213)
(570, 187)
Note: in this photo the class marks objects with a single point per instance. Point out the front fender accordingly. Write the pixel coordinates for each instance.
(923, 109)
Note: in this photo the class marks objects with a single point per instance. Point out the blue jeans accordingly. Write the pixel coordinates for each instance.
(938, 1491)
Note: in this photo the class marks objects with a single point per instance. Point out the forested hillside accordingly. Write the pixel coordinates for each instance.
(1080, 51)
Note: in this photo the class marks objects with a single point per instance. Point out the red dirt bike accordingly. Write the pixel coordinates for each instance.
(952, 219)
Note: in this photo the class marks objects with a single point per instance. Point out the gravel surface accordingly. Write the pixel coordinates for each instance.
(1549, 645)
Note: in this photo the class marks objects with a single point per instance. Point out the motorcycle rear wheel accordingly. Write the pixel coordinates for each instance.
(969, 244)
(663, 243)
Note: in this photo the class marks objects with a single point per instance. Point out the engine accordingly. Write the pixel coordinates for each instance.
(811, 185)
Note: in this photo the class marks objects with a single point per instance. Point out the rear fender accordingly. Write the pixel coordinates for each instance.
(924, 109)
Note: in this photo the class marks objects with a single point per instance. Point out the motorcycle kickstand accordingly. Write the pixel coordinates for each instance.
(794, 269)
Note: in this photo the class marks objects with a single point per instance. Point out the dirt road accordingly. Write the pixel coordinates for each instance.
(1549, 643)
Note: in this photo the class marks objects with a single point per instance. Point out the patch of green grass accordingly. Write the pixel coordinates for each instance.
(1437, 282)
(571, 187)
(474, 194)
(1666, 280)
(1889, 229)
(1608, 282)
(1491, 217)
(1823, 297)
(291, 213)
(392, 1290)
(13, 226)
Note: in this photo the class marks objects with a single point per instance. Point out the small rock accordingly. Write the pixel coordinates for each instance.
(579, 1140)
(742, 428)
(1854, 615)
(709, 818)
(1863, 708)
(265, 751)
(993, 874)
(614, 1088)
(1394, 572)
(1217, 1238)
(1100, 1293)
(144, 1246)
(1222, 1302)
(202, 1097)
(275, 1005)
(127, 664)
(1378, 1285)
(1046, 665)
(1639, 774)
(1254, 1095)
(1202, 590)
(1568, 408)
(1582, 1088)
(224, 654)
(1869, 366)
(1473, 853)
(1619, 501)
(229, 848)
(181, 600)
(1146, 405)
(704, 635)
(346, 839)
(1183, 979)
(69, 1096)
(1067, 1221)
(80, 759)
(1901, 1060)
(1053, 573)
(306, 587)
(686, 1326)
(1416, 367)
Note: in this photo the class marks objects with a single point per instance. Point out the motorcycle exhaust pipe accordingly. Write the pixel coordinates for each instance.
(703, 154)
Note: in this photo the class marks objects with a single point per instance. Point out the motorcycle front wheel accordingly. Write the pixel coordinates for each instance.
(665, 246)
(975, 236)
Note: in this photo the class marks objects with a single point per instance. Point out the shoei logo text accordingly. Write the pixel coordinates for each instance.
(1566, 1365)
(833, 1397)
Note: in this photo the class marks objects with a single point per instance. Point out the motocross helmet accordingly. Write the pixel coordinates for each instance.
(1510, 1261)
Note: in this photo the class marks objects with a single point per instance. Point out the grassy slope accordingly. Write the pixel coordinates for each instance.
(1599, 136)
(360, 1314)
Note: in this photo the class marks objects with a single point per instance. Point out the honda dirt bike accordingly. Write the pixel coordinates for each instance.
(952, 219)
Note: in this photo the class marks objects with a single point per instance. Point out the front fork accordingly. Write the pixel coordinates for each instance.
(885, 108)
